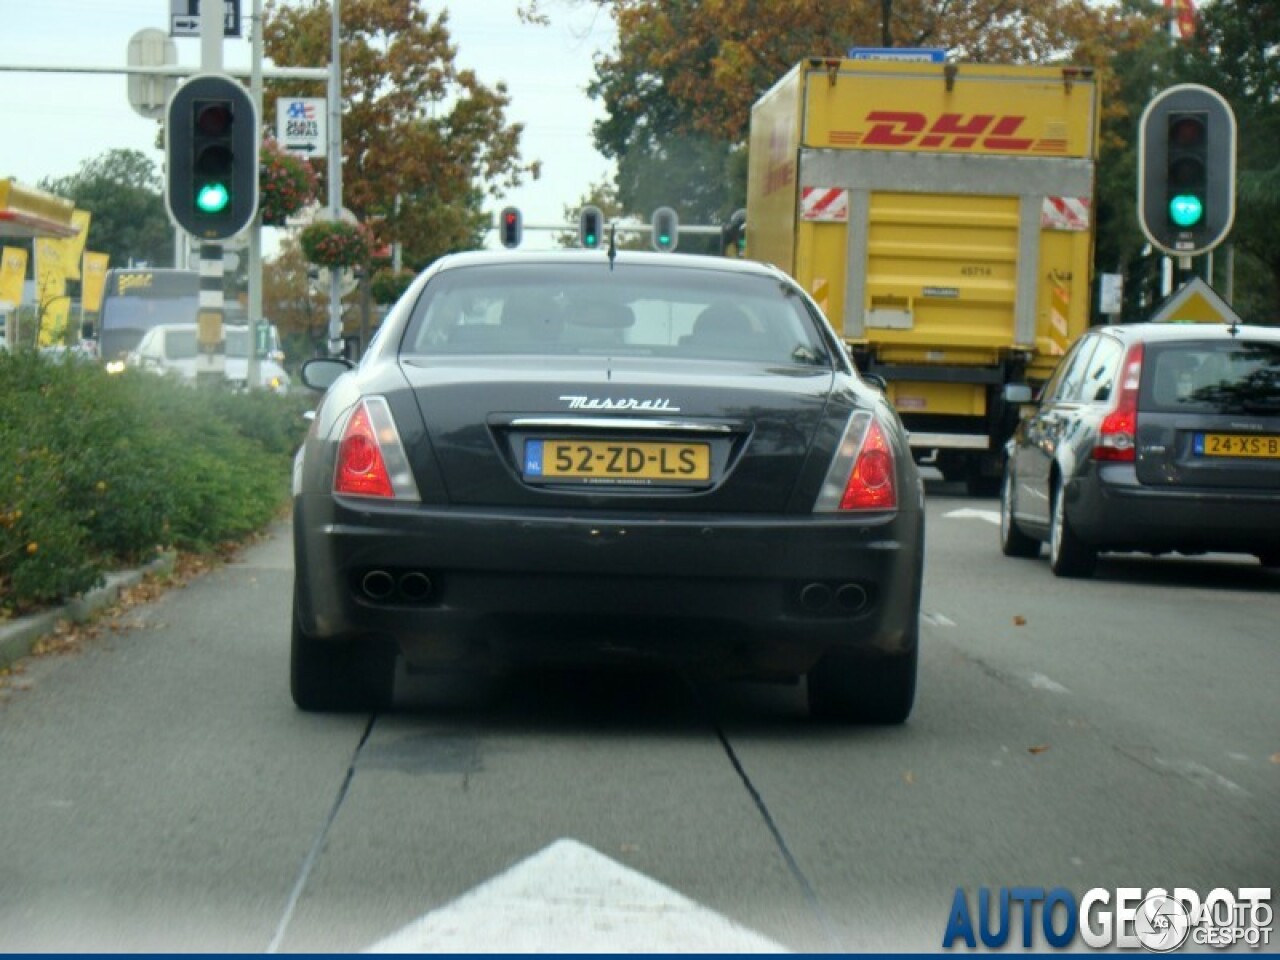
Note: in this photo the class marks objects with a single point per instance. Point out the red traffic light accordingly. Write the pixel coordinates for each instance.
(511, 227)
(213, 119)
(1187, 129)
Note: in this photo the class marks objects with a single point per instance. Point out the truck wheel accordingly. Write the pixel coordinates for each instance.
(852, 687)
(342, 677)
(1069, 556)
(1013, 542)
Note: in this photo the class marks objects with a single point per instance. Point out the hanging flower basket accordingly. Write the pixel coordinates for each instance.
(388, 286)
(335, 244)
(286, 184)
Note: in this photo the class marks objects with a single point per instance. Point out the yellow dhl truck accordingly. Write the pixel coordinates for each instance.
(942, 216)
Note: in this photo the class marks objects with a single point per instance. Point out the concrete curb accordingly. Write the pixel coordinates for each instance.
(18, 637)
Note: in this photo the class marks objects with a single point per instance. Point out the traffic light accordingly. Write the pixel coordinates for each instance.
(1187, 170)
(211, 157)
(590, 227)
(511, 226)
(666, 229)
(733, 235)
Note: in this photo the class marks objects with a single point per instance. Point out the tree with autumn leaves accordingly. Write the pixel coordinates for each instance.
(424, 142)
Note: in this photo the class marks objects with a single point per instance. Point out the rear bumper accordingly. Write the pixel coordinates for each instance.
(1111, 510)
(746, 597)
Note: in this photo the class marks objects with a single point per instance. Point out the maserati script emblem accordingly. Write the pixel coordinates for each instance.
(621, 403)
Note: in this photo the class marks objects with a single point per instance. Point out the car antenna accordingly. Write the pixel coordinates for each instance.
(613, 247)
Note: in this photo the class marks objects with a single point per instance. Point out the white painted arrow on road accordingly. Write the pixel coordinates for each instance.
(567, 898)
(969, 513)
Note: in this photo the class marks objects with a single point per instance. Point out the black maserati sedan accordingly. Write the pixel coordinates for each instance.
(591, 457)
(1154, 438)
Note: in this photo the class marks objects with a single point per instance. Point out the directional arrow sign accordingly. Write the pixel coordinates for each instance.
(567, 898)
(301, 125)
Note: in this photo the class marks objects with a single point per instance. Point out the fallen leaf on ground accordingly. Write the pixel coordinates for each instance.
(1039, 748)
(909, 778)
(1019, 621)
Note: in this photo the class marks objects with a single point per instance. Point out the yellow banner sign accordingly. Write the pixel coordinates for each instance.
(13, 271)
(93, 280)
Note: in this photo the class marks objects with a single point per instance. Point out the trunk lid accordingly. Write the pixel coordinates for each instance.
(705, 435)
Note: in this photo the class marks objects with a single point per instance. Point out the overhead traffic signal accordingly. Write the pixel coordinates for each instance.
(666, 229)
(590, 227)
(1186, 170)
(511, 227)
(211, 157)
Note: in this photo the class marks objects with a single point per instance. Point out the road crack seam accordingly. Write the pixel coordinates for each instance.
(318, 844)
(806, 889)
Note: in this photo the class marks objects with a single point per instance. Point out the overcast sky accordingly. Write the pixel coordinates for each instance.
(50, 123)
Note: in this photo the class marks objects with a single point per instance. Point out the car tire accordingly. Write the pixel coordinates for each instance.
(339, 677)
(1069, 556)
(1013, 542)
(850, 687)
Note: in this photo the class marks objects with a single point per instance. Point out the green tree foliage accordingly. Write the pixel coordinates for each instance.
(424, 142)
(124, 192)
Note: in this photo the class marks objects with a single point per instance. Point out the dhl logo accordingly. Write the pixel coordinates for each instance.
(951, 131)
(141, 281)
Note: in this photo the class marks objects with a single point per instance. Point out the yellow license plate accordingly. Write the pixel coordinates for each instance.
(617, 461)
(1237, 445)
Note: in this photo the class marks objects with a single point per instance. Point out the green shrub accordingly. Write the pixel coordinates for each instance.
(98, 471)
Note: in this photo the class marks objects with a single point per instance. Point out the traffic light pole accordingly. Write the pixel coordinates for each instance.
(335, 171)
(212, 363)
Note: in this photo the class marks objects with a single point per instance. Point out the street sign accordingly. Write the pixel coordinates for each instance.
(301, 125)
(184, 18)
(913, 54)
(149, 94)
(1195, 302)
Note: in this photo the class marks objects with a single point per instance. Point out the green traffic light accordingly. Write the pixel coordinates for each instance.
(1186, 210)
(213, 198)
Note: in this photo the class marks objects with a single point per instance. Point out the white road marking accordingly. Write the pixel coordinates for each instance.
(969, 513)
(1041, 682)
(937, 619)
(567, 898)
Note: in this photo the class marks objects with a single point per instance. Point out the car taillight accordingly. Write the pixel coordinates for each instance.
(862, 475)
(1117, 435)
(371, 461)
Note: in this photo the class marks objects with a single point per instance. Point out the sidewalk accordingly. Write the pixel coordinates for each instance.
(19, 636)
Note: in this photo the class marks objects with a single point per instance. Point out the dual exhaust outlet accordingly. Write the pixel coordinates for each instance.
(846, 598)
(385, 586)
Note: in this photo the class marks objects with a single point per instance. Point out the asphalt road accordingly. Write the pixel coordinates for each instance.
(158, 791)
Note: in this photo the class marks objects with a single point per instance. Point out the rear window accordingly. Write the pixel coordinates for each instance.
(1213, 377)
(586, 309)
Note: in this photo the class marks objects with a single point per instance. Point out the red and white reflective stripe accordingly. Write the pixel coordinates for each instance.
(824, 204)
(1065, 213)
